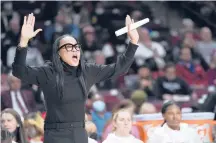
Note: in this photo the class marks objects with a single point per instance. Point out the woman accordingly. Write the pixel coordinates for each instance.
(66, 81)
(11, 121)
(122, 124)
(172, 130)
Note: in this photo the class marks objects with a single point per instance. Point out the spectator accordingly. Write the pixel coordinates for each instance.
(100, 59)
(89, 41)
(138, 97)
(147, 108)
(149, 52)
(11, 121)
(125, 104)
(11, 38)
(189, 42)
(190, 72)
(212, 71)
(170, 85)
(7, 13)
(206, 46)
(33, 124)
(22, 101)
(100, 116)
(122, 125)
(63, 24)
(146, 81)
(92, 131)
(172, 130)
(80, 14)
(34, 56)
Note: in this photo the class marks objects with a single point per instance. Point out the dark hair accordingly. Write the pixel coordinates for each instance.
(169, 65)
(58, 67)
(165, 107)
(20, 132)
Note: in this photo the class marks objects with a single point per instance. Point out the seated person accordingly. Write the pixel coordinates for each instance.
(170, 85)
(172, 130)
(122, 125)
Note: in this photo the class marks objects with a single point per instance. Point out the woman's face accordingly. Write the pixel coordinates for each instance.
(9, 122)
(70, 53)
(123, 123)
(173, 116)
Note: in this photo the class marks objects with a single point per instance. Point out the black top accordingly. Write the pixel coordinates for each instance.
(72, 105)
(175, 86)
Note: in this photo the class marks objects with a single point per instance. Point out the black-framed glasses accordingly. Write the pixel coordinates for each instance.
(70, 47)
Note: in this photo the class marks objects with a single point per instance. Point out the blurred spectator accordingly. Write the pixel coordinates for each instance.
(11, 38)
(22, 101)
(170, 85)
(91, 130)
(138, 97)
(149, 52)
(7, 13)
(125, 104)
(189, 42)
(122, 126)
(33, 124)
(80, 14)
(172, 129)
(89, 41)
(190, 72)
(146, 81)
(63, 24)
(100, 60)
(136, 15)
(4, 83)
(212, 71)
(206, 46)
(34, 56)
(100, 116)
(11, 121)
(147, 108)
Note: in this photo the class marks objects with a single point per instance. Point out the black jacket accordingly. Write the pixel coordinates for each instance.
(91, 73)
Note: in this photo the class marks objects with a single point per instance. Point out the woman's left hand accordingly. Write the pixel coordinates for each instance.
(133, 34)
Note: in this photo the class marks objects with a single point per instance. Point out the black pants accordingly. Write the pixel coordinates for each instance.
(65, 133)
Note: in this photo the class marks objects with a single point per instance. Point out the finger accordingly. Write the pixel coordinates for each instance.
(33, 21)
(29, 17)
(24, 21)
(132, 20)
(37, 31)
(127, 21)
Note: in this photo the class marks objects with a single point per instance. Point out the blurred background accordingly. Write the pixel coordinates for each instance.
(176, 58)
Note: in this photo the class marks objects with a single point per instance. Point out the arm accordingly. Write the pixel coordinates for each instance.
(98, 73)
(32, 75)
(19, 69)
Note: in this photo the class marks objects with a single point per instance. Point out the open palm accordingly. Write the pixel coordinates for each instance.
(133, 34)
(27, 31)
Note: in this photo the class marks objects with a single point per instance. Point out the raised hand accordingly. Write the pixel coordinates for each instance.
(133, 34)
(27, 31)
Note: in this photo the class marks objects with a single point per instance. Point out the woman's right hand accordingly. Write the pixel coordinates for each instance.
(27, 31)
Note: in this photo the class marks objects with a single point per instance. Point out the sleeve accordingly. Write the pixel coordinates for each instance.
(32, 75)
(159, 91)
(185, 87)
(97, 73)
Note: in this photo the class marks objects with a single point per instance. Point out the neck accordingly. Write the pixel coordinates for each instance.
(121, 134)
(69, 69)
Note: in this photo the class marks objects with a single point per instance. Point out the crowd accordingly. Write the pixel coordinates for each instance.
(175, 65)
